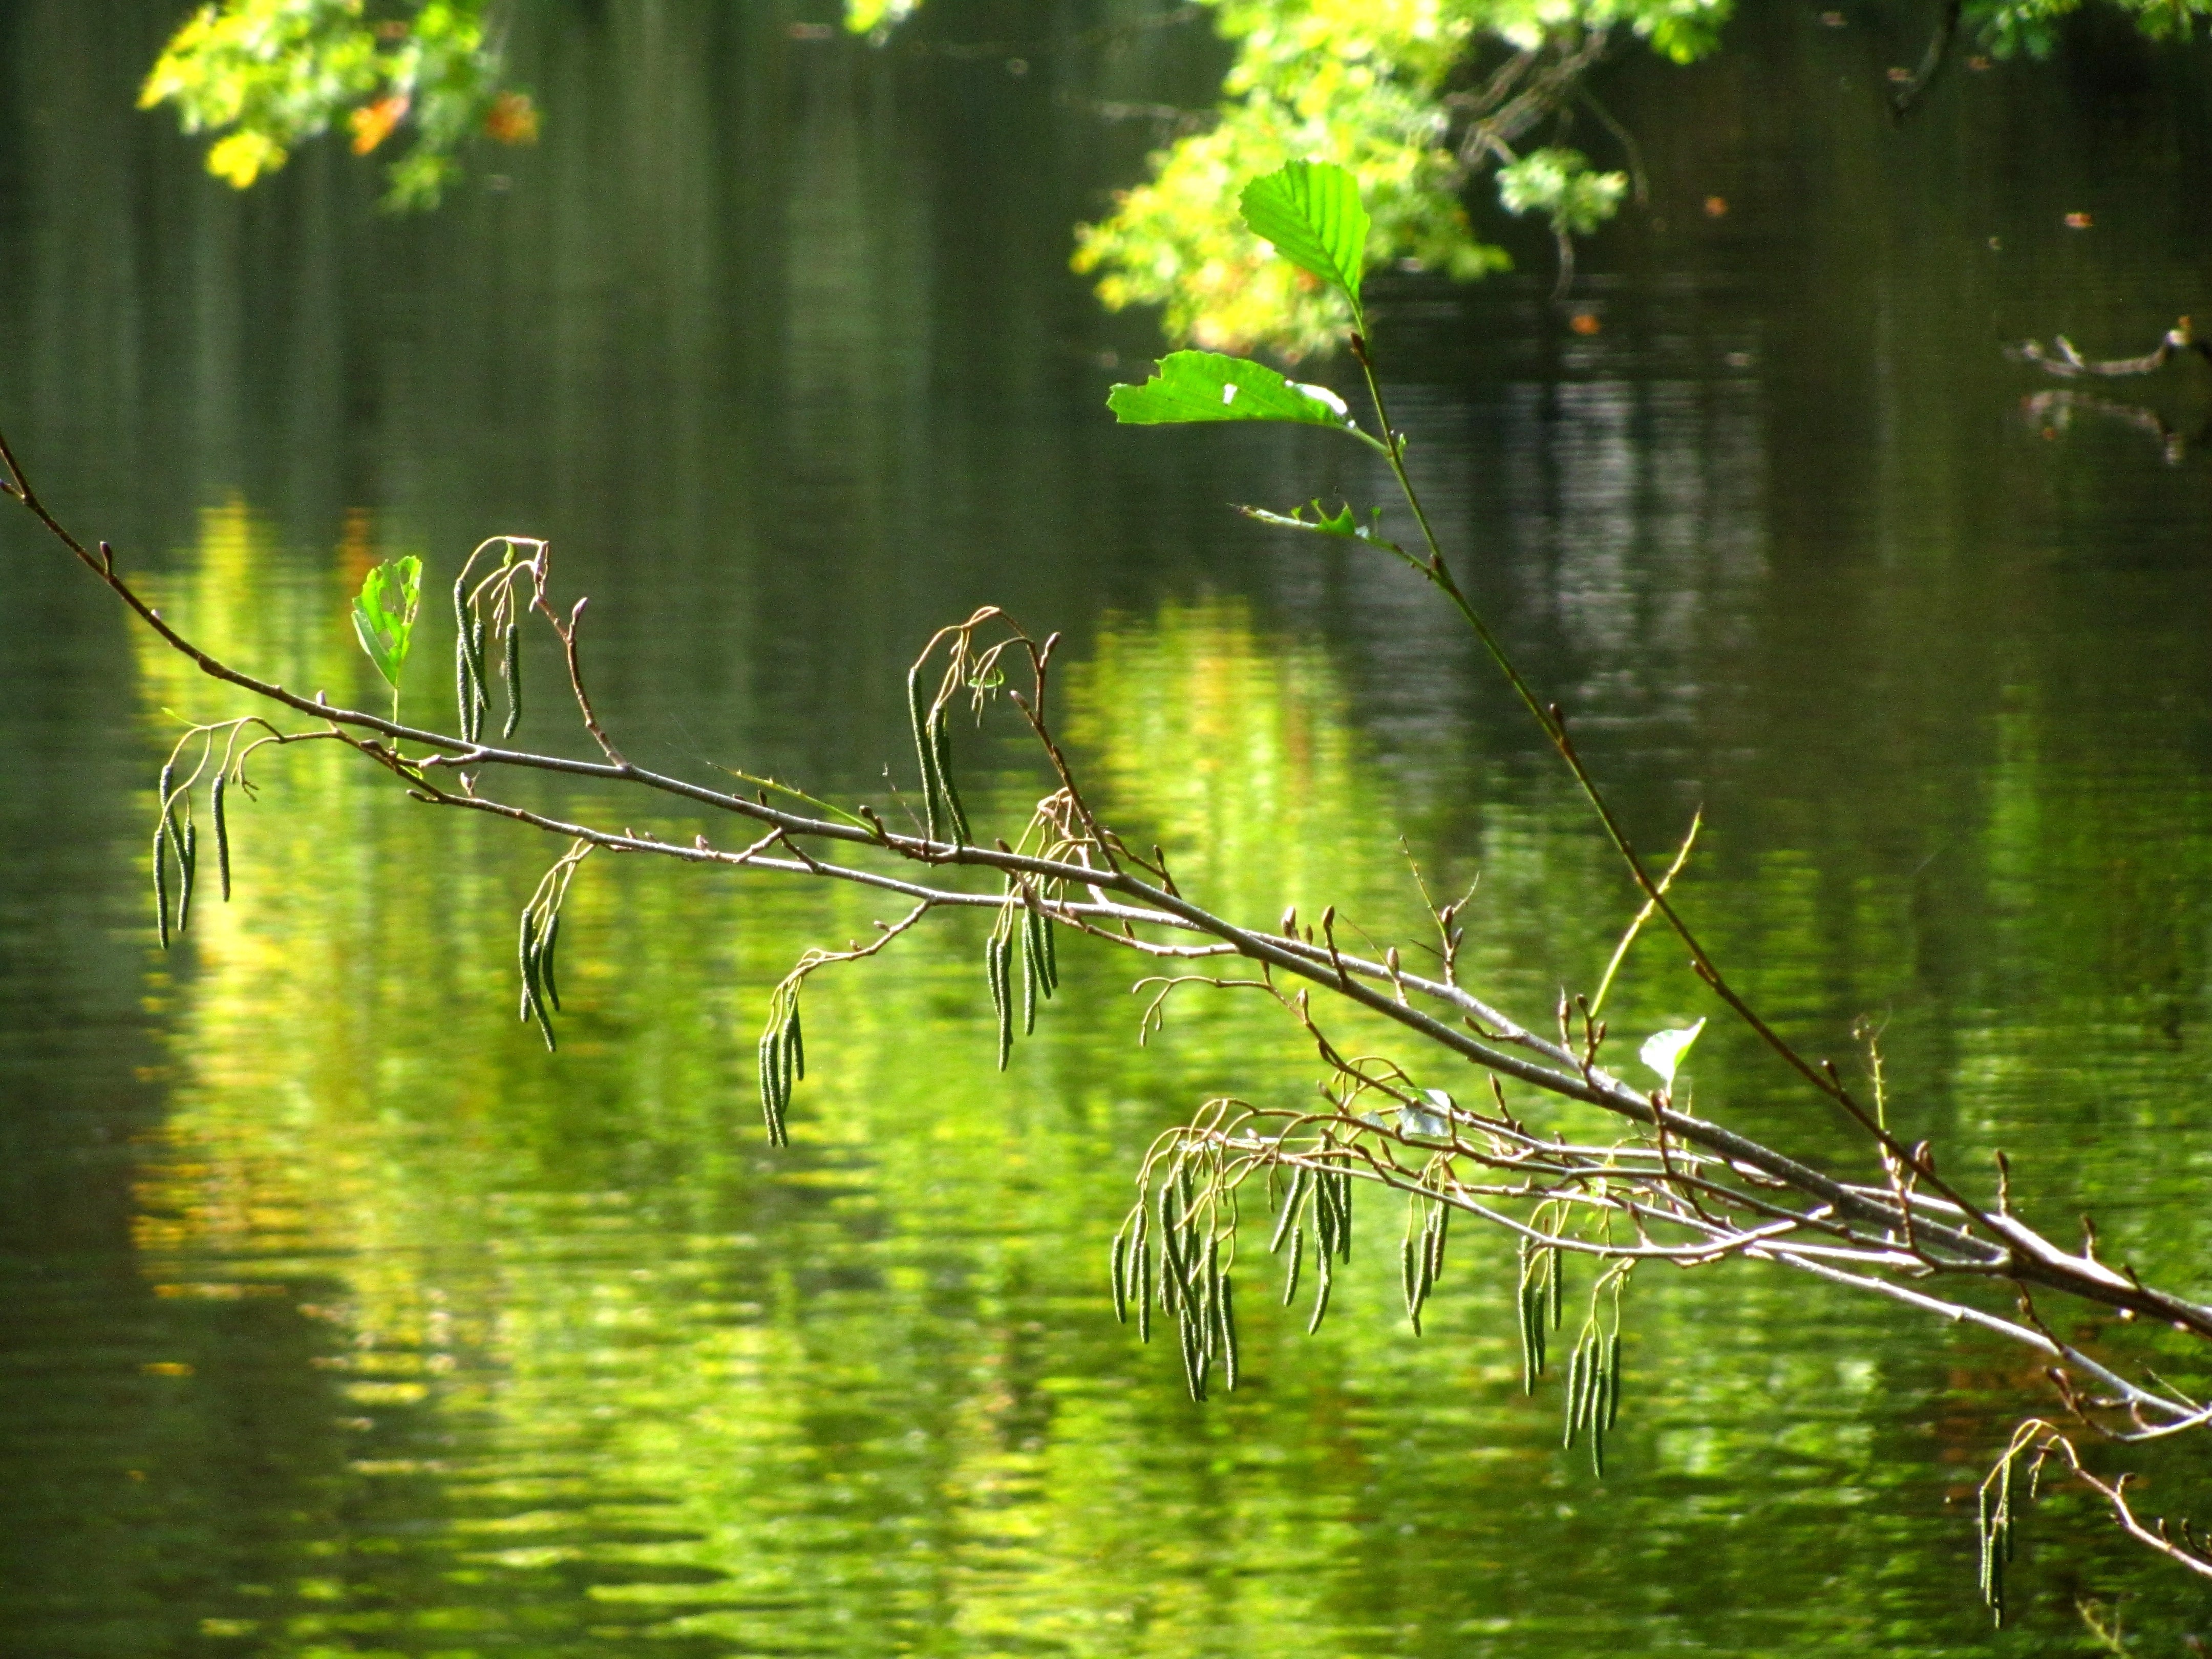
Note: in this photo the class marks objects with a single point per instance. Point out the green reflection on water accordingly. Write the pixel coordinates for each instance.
(466, 1347)
(1943, 683)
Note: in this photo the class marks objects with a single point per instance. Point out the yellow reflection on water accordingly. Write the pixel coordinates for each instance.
(870, 1379)
(595, 1354)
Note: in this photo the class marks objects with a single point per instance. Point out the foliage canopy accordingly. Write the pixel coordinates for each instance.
(1414, 98)
(270, 74)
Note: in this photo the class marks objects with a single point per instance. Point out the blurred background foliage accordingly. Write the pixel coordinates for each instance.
(1417, 97)
(267, 76)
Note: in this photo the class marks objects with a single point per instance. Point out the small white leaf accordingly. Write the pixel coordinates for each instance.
(1663, 1051)
(1413, 1120)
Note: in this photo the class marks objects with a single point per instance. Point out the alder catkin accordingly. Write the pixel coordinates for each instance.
(1322, 1279)
(768, 1102)
(482, 695)
(463, 681)
(1228, 1335)
(941, 732)
(219, 810)
(774, 1094)
(1029, 978)
(1574, 1395)
(546, 973)
(1193, 1362)
(526, 958)
(1288, 1217)
(1209, 1299)
(513, 669)
(1594, 1384)
(1521, 1303)
(534, 979)
(188, 859)
(1144, 1289)
(999, 951)
(1172, 1271)
(162, 883)
(932, 791)
(1037, 938)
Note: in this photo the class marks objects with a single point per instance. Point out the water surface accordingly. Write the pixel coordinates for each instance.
(343, 1319)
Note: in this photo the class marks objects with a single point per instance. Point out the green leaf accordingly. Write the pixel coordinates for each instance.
(1663, 1051)
(1311, 212)
(384, 615)
(1204, 386)
(1344, 523)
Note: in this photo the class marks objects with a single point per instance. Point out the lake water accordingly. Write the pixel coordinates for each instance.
(340, 1318)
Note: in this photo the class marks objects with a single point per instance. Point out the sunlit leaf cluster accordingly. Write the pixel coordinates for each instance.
(1417, 97)
(384, 615)
(267, 76)
(425, 77)
(1386, 87)
(877, 17)
(1561, 185)
(2010, 26)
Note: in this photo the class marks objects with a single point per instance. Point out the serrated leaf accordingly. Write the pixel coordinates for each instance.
(1204, 386)
(1323, 523)
(1340, 523)
(384, 613)
(1311, 211)
(1663, 1051)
